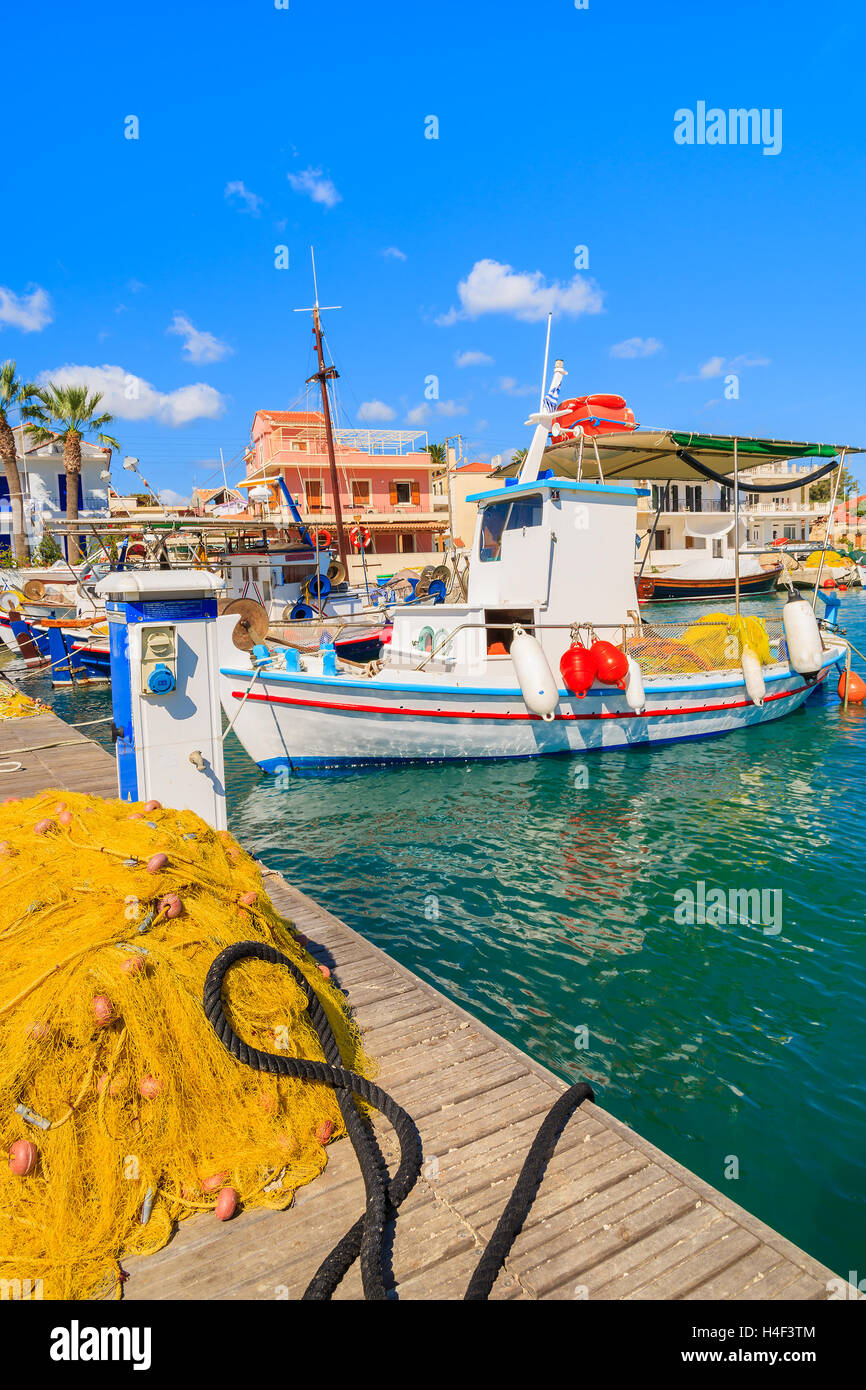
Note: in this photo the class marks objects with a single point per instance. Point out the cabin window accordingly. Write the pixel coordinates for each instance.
(492, 526)
(525, 511)
(717, 550)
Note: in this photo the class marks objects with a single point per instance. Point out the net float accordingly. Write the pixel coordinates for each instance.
(23, 1155)
(136, 815)
(45, 826)
(248, 898)
(61, 806)
(171, 905)
(214, 1182)
(38, 1031)
(133, 965)
(611, 663)
(226, 1205)
(856, 688)
(65, 817)
(153, 805)
(149, 1087)
(578, 668)
(156, 863)
(12, 801)
(324, 1131)
(325, 971)
(301, 939)
(103, 1010)
(7, 850)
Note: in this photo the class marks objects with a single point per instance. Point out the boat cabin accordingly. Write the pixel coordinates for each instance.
(546, 554)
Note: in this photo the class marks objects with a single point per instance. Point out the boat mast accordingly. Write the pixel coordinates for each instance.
(323, 376)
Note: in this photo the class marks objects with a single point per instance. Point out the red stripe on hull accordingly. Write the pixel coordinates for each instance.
(480, 714)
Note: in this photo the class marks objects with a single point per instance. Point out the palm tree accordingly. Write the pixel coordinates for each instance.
(518, 456)
(437, 454)
(13, 394)
(68, 413)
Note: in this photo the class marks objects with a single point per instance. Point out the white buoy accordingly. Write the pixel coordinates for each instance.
(753, 675)
(635, 696)
(533, 671)
(803, 637)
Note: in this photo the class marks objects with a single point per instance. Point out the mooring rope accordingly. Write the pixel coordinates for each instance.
(384, 1195)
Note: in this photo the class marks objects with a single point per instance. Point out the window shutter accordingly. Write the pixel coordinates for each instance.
(416, 494)
(393, 494)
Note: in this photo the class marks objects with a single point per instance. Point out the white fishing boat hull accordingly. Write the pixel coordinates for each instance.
(306, 722)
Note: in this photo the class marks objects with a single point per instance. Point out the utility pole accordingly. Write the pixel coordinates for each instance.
(323, 376)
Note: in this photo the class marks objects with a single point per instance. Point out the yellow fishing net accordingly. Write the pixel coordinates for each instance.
(120, 1110)
(14, 704)
(831, 557)
(720, 638)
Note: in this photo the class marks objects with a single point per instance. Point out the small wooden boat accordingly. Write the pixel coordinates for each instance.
(670, 586)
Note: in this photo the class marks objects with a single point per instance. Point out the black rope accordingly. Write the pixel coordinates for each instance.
(748, 485)
(384, 1195)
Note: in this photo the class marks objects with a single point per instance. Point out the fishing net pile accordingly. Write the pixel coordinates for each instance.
(715, 642)
(14, 704)
(120, 1111)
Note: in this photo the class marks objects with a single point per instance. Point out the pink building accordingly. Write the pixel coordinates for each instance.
(385, 480)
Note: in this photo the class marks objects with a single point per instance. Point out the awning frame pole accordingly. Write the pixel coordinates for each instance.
(839, 473)
(736, 531)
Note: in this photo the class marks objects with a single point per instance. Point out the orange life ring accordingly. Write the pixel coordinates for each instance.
(323, 539)
(360, 538)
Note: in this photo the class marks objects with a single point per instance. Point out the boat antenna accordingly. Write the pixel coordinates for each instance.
(323, 376)
(544, 368)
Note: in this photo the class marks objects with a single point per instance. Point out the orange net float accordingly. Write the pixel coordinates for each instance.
(611, 663)
(578, 668)
(856, 687)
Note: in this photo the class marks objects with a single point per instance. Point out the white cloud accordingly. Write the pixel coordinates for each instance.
(508, 385)
(170, 498)
(472, 359)
(199, 347)
(375, 410)
(494, 288)
(29, 312)
(718, 366)
(636, 347)
(312, 183)
(253, 204)
(450, 408)
(419, 415)
(394, 253)
(130, 397)
(135, 286)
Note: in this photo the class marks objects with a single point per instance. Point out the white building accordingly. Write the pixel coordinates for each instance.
(700, 516)
(43, 483)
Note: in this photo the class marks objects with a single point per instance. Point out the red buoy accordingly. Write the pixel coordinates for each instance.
(611, 662)
(856, 688)
(578, 669)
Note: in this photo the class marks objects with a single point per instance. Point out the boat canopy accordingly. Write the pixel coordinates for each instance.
(657, 455)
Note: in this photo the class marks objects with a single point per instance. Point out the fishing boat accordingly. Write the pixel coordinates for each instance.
(549, 653)
(706, 579)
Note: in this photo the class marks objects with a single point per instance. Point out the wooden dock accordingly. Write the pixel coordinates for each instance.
(615, 1218)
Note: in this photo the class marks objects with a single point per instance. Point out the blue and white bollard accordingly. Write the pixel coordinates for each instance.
(165, 688)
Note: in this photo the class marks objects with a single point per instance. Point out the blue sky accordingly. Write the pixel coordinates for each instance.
(261, 127)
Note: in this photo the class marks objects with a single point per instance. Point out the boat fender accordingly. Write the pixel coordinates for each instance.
(803, 637)
(534, 674)
(611, 662)
(753, 675)
(635, 696)
(578, 669)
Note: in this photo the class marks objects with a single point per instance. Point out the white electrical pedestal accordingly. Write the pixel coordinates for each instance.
(165, 688)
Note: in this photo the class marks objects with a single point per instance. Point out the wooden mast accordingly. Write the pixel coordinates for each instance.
(323, 376)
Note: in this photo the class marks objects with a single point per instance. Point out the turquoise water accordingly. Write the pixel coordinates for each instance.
(542, 899)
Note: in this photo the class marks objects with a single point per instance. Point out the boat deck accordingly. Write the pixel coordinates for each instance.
(615, 1218)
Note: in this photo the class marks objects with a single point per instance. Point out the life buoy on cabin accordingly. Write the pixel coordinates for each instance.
(323, 540)
(360, 538)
